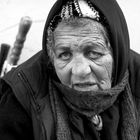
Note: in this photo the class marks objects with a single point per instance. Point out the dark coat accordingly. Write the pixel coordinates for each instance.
(22, 91)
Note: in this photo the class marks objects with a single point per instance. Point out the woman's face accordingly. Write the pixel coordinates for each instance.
(82, 58)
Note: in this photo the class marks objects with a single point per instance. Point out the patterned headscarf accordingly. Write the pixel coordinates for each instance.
(77, 8)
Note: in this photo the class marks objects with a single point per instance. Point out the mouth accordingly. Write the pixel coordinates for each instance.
(86, 86)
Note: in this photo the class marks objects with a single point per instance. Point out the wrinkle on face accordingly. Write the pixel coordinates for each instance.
(82, 54)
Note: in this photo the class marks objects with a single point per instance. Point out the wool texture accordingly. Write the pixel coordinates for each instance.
(128, 118)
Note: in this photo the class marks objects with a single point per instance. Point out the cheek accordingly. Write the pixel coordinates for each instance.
(62, 71)
(108, 65)
(103, 71)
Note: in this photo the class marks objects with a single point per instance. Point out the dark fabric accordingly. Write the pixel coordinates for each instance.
(82, 128)
(111, 122)
(15, 124)
(93, 102)
(127, 118)
(134, 71)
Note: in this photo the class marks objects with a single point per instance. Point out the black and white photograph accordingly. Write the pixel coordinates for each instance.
(69, 70)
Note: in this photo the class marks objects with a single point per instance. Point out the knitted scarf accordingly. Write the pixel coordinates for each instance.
(90, 104)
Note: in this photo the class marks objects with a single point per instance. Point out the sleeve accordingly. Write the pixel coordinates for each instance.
(15, 124)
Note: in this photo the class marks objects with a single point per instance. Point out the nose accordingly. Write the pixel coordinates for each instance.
(81, 67)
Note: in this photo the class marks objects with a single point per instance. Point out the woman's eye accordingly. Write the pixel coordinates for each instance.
(65, 55)
(93, 54)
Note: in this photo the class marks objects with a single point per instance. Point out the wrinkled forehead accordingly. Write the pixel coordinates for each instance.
(81, 27)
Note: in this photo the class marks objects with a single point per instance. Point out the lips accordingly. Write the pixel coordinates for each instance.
(86, 86)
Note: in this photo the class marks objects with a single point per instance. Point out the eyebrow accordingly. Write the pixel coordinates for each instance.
(91, 45)
(98, 44)
(62, 48)
(86, 46)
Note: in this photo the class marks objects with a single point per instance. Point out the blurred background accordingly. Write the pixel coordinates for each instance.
(11, 11)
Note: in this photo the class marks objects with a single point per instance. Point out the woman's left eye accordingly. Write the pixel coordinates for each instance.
(94, 54)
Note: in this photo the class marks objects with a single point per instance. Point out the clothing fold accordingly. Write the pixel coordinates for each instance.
(127, 119)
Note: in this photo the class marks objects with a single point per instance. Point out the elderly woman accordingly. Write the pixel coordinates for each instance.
(83, 85)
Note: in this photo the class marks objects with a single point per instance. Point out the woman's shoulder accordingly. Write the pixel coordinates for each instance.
(134, 71)
(134, 58)
(29, 78)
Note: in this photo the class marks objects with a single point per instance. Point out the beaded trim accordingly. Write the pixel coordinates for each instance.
(67, 10)
(75, 6)
(96, 13)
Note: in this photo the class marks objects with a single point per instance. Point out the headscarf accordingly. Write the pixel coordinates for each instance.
(119, 37)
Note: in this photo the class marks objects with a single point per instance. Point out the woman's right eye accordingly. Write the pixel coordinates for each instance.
(65, 56)
(94, 55)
